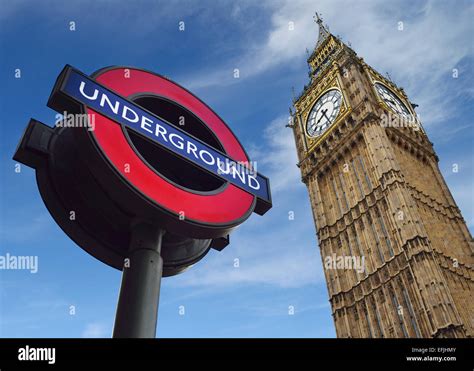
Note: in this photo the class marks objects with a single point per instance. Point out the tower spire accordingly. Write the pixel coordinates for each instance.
(323, 31)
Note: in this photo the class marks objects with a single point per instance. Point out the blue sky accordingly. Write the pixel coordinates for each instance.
(279, 262)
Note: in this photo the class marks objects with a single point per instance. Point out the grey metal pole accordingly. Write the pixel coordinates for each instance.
(137, 308)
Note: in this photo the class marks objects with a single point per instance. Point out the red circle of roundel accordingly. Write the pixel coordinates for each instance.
(225, 207)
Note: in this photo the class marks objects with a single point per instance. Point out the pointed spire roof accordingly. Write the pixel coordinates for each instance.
(323, 31)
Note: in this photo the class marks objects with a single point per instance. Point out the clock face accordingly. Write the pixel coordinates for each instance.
(324, 112)
(391, 100)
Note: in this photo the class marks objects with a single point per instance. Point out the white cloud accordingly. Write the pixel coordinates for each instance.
(433, 41)
(278, 156)
(281, 45)
(295, 267)
(286, 257)
(95, 330)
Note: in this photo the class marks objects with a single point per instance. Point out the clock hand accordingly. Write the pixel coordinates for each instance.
(327, 118)
(323, 114)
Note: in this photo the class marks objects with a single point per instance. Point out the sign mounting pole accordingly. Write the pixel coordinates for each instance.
(137, 308)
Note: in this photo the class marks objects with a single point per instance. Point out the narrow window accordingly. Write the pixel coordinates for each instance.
(387, 239)
(367, 180)
(396, 306)
(357, 241)
(337, 195)
(359, 184)
(412, 314)
(330, 280)
(353, 257)
(376, 238)
(359, 249)
(328, 200)
(371, 334)
(349, 244)
(343, 187)
(377, 317)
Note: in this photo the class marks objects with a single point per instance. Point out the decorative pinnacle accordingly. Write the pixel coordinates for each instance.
(323, 30)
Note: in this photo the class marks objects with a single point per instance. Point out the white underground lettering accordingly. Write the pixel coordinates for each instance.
(222, 165)
(180, 144)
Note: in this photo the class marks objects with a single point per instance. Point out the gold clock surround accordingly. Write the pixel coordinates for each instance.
(334, 84)
(376, 78)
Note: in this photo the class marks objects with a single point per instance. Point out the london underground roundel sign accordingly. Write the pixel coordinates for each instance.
(131, 145)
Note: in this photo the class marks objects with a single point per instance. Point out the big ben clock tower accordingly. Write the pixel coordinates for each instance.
(397, 255)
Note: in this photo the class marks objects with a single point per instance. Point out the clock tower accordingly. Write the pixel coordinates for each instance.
(397, 255)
